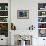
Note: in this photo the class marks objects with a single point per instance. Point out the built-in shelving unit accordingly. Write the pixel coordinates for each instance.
(42, 19)
(4, 19)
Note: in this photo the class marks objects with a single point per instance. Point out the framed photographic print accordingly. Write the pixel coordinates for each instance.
(22, 14)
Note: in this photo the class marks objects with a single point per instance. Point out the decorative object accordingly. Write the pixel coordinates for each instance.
(41, 25)
(41, 6)
(22, 43)
(42, 32)
(31, 27)
(43, 13)
(13, 27)
(41, 19)
(3, 13)
(3, 6)
(27, 39)
(4, 29)
(6, 7)
(23, 14)
(0, 7)
(23, 40)
(3, 19)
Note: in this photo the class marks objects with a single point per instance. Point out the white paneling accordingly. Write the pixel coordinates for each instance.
(4, 41)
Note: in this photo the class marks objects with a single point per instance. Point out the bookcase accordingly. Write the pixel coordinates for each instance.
(42, 19)
(4, 19)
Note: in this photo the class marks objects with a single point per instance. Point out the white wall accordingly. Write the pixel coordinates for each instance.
(23, 24)
(32, 6)
(22, 5)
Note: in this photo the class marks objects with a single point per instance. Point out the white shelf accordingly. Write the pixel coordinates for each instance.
(3, 22)
(41, 28)
(3, 10)
(42, 16)
(3, 16)
(41, 22)
(41, 10)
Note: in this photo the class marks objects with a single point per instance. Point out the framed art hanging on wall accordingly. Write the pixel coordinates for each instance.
(22, 14)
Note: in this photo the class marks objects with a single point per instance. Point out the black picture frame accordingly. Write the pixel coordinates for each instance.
(22, 14)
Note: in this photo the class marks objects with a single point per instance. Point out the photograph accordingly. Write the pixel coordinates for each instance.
(22, 14)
